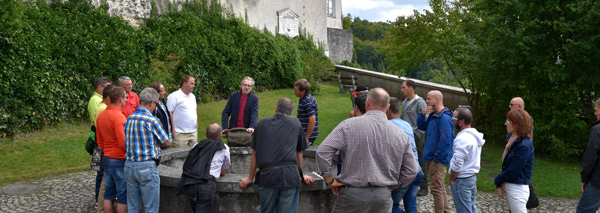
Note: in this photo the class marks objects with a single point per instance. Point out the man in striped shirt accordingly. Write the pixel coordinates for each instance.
(143, 136)
(308, 110)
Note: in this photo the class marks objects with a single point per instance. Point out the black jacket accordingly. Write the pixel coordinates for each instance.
(162, 115)
(196, 168)
(591, 162)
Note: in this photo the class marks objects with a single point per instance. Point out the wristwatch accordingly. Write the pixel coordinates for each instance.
(331, 182)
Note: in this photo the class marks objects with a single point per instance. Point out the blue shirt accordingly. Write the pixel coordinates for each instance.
(307, 107)
(408, 130)
(143, 132)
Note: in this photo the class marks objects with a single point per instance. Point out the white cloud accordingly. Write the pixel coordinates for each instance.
(391, 15)
(365, 4)
(383, 10)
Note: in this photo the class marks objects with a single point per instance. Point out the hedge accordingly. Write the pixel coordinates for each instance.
(50, 55)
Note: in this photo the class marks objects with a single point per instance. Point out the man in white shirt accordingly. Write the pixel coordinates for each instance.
(465, 161)
(182, 108)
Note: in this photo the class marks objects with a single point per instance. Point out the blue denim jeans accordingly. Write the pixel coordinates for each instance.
(143, 184)
(589, 201)
(408, 194)
(464, 192)
(279, 199)
(99, 175)
(114, 184)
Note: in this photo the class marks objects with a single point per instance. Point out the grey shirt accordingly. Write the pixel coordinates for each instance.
(410, 112)
(376, 152)
(276, 141)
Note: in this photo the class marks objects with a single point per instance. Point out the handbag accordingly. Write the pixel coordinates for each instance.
(238, 137)
(96, 164)
(533, 201)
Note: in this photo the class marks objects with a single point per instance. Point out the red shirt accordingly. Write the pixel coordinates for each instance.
(132, 103)
(240, 120)
(110, 132)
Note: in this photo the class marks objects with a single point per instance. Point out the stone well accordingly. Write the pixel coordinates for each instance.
(230, 198)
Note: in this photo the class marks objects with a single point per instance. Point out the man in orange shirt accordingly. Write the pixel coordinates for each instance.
(111, 139)
(133, 101)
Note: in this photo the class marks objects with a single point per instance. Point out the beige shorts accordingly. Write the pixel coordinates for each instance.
(185, 139)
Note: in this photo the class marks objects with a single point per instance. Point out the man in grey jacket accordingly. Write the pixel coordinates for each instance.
(411, 106)
(465, 163)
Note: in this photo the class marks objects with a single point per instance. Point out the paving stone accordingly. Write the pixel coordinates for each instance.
(75, 193)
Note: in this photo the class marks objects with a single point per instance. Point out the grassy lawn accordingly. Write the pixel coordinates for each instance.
(333, 108)
(551, 178)
(59, 150)
(52, 151)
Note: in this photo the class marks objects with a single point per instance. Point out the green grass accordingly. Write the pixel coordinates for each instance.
(59, 150)
(551, 178)
(52, 151)
(333, 108)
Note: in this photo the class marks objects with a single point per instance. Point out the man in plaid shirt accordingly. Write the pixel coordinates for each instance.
(143, 136)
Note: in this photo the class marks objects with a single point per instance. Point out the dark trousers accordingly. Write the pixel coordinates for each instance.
(204, 196)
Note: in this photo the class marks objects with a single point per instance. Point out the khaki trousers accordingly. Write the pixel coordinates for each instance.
(185, 139)
(437, 174)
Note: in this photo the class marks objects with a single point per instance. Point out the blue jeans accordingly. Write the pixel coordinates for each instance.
(143, 184)
(115, 185)
(589, 201)
(408, 194)
(203, 196)
(99, 175)
(464, 192)
(279, 199)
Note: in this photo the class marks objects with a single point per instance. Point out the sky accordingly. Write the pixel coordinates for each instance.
(382, 10)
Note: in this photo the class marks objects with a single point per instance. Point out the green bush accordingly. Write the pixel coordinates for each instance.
(50, 55)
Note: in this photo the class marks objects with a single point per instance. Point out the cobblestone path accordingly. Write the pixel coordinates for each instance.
(75, 193)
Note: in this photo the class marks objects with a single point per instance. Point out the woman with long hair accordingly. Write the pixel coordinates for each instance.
(517, 161)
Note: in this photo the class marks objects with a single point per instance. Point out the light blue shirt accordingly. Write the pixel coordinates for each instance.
(408, 130)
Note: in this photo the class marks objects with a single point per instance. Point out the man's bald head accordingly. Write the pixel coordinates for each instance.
(213, 131)
(517, 103)
(435, 99)
(437, 95)
(378, 99)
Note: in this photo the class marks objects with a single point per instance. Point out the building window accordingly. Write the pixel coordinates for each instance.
(331, 8)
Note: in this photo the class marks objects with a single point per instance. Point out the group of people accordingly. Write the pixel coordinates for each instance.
(379, 149)
(381, 144)
(131, 130)
(129, 135)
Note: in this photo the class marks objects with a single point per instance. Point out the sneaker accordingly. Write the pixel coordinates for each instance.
(422, 191)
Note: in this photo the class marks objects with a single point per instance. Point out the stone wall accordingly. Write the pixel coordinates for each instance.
(341, 44)
(230, 198)
(312, 15)
(262, 14)
(453, 96)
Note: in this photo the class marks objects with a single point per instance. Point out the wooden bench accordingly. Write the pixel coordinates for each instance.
(346, 83)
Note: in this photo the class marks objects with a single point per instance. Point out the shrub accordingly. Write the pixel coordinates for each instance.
(50, 55)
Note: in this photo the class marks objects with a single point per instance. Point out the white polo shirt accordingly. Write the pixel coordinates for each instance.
(184, 111)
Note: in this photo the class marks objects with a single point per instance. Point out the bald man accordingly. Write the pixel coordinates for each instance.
(369, 169)
(436, 121)
(198, 180)
(515, 104)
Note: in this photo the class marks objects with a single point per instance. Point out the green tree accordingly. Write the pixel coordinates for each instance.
(437, 35)
(548, 52)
